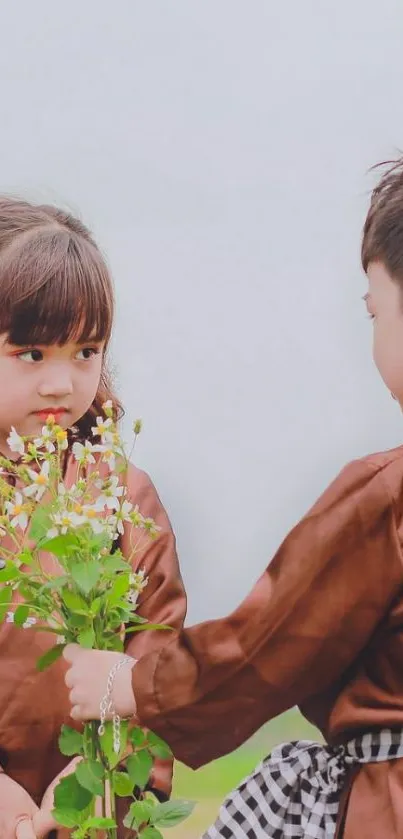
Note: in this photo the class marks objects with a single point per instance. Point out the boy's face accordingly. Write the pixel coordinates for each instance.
(385, 306)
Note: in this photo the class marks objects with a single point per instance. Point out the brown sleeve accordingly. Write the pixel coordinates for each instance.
(163, 600)
(305, 621)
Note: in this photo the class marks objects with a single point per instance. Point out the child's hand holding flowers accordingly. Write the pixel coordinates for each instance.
(86, 679)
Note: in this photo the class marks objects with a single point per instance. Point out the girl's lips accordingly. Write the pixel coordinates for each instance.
(55, 412)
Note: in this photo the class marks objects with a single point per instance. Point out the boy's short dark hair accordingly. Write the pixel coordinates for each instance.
(382, 239)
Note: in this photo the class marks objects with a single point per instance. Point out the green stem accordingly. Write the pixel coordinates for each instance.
(113, 831)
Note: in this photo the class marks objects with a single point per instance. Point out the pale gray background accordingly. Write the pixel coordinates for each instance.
(219, 151)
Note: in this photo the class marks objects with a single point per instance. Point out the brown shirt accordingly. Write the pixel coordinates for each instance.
(322, 629)
(33, 705)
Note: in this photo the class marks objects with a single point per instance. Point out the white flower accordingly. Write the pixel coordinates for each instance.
(108, 453)
(111, 491)
(45, 440)
(15, 442)
(40, 482)
(26, 625)
(123, 514)
(63, 522)
(17, 511)
(138, 581)
(92, 517)
(102, 426)
(83, 453)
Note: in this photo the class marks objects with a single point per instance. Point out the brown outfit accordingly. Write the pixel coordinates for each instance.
(322, 629)
(33, 705)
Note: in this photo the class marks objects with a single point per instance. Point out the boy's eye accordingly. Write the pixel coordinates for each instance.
(31, 356)
(87, 353)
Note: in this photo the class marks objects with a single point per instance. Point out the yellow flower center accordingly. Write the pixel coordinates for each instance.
(18, 509)
(41, 480)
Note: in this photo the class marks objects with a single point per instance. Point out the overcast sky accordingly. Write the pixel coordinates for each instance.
(219, 151)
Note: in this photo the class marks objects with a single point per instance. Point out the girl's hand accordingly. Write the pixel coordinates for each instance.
(17, 809)
(43, 821)
(87, 678)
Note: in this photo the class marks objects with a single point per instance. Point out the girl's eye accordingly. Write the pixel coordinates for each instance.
(86, 353)
(371, 317)
(31, 356)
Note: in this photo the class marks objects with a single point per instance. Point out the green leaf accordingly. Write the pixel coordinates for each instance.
(106, 742)
(90, 775)
(86, 637)
(137, 736)
(70, 795)
(20, 615)
(171, 813)
(139, 767)
(114, 563)
(75, 621)
(68, 818)
(40, 523)
(86, 574)
(96, 606)
(3, 611)
(145, 626)
(73, 818)
(122, 784)
(139, 813)
(100, 823)
(150, 833)
(6, 595)
(49, 657)
(26, 557)
(99, 541)
(71, 742)
(74, 602)
(60, 545)
(120, 587)
(10, 572)
(158, 747)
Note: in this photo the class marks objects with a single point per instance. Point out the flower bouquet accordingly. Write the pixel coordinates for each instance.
(92, 601)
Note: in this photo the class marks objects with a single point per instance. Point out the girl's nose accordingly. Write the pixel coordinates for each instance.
(57, 381)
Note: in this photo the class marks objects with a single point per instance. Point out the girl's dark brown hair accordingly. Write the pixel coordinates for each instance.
(382, 239)
(54, 286)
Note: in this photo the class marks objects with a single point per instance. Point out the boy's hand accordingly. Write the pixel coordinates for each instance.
(43, 821)
(17, 809)
(87, 679)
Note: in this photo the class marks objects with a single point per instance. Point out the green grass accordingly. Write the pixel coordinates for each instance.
(209, 785)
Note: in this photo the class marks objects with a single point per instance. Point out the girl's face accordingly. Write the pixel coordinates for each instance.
(36, 381)
(385, 307)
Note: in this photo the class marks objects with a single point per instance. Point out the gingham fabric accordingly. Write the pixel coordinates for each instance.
(295, 792)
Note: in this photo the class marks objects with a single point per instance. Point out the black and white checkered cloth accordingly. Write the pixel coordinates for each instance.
(295, 792)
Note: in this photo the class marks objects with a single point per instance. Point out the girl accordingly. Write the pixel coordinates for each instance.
(322, 628)
(56, 315)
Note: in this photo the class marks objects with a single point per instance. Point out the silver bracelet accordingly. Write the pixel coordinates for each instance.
(106, 706)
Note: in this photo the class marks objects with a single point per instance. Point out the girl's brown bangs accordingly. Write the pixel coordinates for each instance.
(55, 288)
